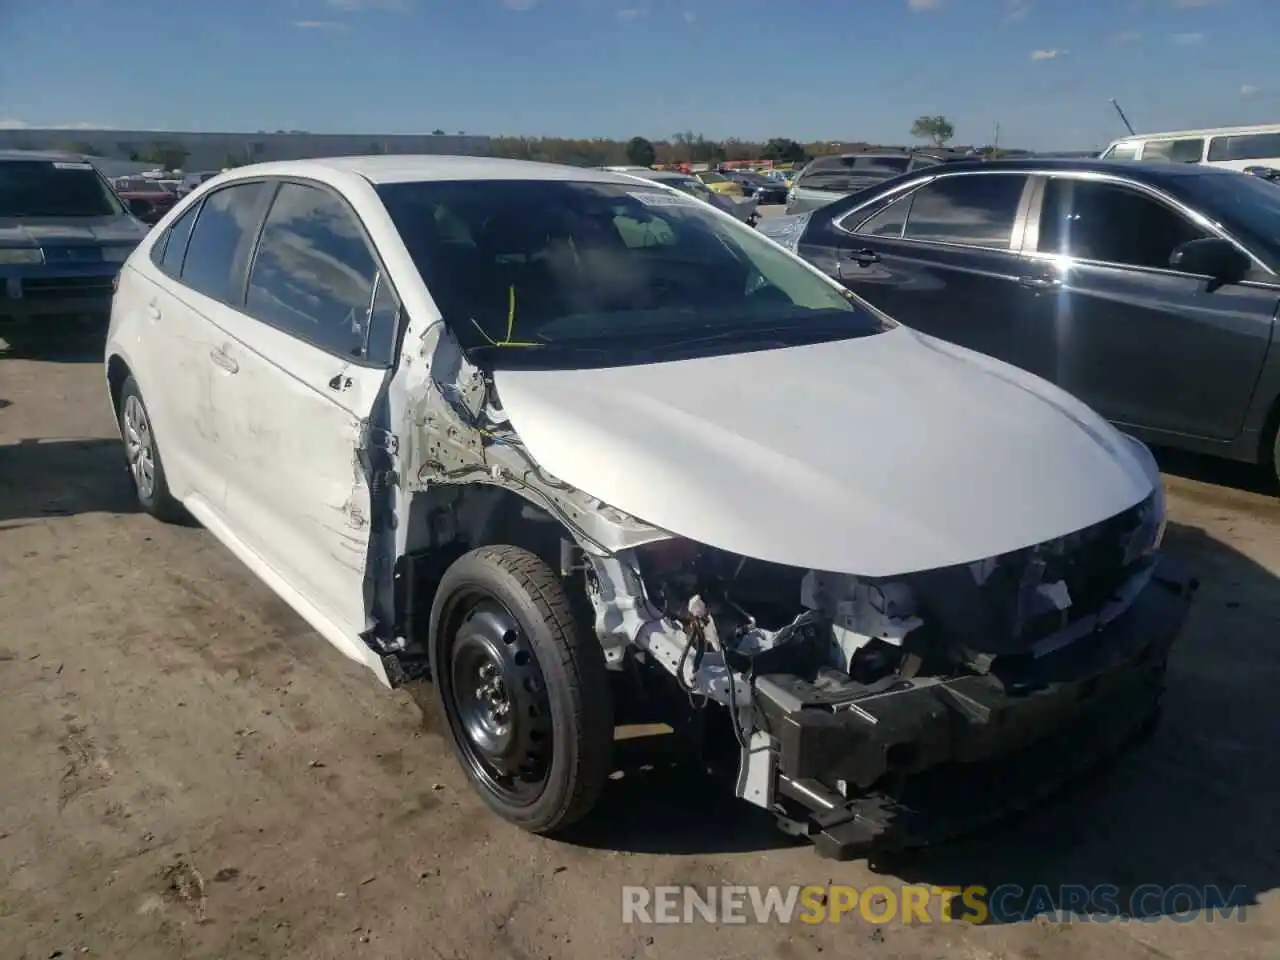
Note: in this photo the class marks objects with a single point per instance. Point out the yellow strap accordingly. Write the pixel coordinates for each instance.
(511, 323)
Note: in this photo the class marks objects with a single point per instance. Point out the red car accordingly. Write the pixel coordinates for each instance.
(147, 200)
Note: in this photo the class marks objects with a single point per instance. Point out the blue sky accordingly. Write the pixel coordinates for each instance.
(808, 69)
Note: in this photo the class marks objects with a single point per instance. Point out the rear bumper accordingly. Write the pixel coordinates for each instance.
(915, 766)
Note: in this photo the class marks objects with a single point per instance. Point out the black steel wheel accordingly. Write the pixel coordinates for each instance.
(523, 691)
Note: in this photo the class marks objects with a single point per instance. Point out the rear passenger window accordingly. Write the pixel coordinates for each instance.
(313, 272)
(888, 222)
(881, 166)
(976, 210)
(1245, 146)
(221, 241)
(825, 175)
(1174, 151)
(175, 242)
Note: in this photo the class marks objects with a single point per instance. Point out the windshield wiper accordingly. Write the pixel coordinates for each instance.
(791, 333)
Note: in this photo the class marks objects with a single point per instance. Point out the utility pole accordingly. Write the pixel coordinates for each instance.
(1123, 118)
(995, 143)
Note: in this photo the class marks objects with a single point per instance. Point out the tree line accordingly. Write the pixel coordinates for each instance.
(683, 147)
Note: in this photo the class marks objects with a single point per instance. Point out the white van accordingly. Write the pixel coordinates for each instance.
(1234, 147)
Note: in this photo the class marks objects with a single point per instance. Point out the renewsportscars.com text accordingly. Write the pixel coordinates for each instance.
(925, 903)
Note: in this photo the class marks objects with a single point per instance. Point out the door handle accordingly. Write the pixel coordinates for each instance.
(339, 382)
(864, 258)
(1040, 282)
(224, 361)
(153, 311)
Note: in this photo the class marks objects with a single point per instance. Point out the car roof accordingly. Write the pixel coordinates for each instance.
(48, 156)
(1206, 132)
(409, 168)
(658, 174)
(1145, 170)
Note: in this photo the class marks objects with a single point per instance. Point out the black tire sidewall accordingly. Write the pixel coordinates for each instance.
(478, 570)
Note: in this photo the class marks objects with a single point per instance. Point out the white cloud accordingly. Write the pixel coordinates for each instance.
(11, 123)
(1016, 9)
(519, 5)
(319, 25)
(1126, 36)
(919, 5)
(1051, 54)
(629, 13)
(1248, 90)
(690, 16)
(1187, 39)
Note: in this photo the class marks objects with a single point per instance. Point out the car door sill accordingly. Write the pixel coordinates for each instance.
(347, 642)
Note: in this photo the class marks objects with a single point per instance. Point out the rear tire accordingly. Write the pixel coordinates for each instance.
(146, 469)
(1275, 456)
(523, 690)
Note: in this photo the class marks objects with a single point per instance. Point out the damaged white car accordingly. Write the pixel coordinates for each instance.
(530, 430)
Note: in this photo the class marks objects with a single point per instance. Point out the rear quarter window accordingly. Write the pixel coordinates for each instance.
(1246, 146)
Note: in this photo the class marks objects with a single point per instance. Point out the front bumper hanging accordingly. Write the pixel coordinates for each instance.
(917, 765)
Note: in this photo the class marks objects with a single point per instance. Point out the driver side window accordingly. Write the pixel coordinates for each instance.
(1111, 223)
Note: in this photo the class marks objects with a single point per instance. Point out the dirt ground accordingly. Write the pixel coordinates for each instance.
(186, 770)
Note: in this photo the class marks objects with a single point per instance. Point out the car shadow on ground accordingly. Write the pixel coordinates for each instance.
(1181, 819)
(1250, 477)
(661, 801)
(19, 342)
(42, 478)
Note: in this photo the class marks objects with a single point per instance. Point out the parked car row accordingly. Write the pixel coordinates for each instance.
(605, 440)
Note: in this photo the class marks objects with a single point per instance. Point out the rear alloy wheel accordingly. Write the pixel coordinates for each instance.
(145, 468)
(524, 692)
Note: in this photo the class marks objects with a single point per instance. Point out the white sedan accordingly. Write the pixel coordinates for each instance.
(528, 430)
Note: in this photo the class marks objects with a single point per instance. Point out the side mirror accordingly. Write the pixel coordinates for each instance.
(1211, 257)
(142, 209)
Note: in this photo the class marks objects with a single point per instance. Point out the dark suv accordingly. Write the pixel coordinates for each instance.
(827, 179)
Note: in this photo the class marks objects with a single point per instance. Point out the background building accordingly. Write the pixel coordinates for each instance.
(212, 151)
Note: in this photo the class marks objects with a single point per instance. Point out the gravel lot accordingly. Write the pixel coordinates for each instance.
(187, 771)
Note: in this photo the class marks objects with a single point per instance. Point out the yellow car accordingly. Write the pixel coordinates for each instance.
(719, 183)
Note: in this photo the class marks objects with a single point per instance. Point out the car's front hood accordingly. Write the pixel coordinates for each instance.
(42, 231)
(875, 456)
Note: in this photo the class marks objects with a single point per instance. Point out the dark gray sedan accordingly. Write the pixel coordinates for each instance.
(1149, 290)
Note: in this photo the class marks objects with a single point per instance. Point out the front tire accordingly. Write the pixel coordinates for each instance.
(523, 689)
(145, 467)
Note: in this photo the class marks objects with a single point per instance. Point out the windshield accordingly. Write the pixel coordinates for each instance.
(694, 187)
(1247, 206)
(45, 188)
(140, 185)
(561, 273)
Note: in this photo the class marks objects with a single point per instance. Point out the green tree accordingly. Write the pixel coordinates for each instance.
(79, 146)
(437, 132)
(640, 152)
(167, 156)
(782, 150)
(937, 129)
(231, 160)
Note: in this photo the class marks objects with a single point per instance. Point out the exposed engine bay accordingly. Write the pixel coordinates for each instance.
(860, 636)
